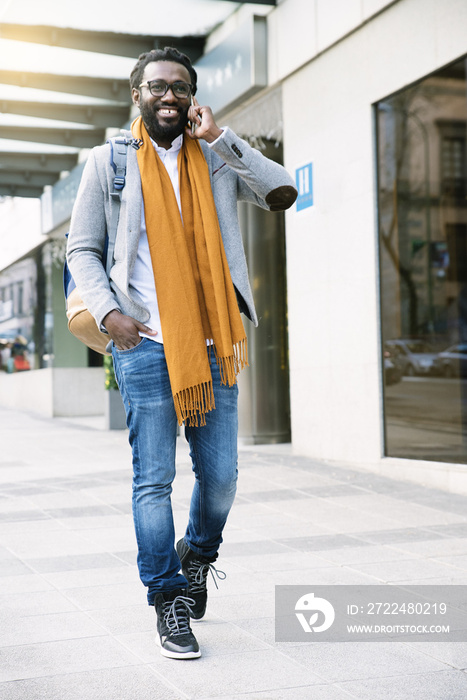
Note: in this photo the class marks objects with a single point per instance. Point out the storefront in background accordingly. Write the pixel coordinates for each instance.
(375, 132)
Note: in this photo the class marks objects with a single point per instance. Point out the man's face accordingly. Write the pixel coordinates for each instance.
(165, 117)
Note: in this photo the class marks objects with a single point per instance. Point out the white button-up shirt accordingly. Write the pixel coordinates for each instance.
(142, 278)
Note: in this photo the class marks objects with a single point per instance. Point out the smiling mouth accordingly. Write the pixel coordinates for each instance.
(167, 112)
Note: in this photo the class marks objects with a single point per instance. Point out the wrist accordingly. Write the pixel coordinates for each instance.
(109, 317)
(213, 134)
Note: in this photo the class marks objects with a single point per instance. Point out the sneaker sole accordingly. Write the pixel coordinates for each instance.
(177, 655)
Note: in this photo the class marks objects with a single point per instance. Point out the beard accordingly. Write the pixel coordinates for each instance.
(159, 131)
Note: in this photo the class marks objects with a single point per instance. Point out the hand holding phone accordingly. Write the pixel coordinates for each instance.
(202, 123)
(192, 121)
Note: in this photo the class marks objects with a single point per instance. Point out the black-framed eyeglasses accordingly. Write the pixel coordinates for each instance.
(158, 88)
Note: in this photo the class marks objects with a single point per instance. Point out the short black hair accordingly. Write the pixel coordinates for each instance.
(169, 53)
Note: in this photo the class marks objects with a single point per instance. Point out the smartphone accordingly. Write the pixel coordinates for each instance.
(193, 125)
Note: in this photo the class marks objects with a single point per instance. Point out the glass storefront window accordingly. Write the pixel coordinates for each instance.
(422, 206)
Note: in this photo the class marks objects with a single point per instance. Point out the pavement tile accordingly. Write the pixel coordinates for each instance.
(26, 583)
(108, 596)
(128, 557)
(86, 578)
(79, 511)
(109, 493)
(451, 530)
(345, 661)
(279, 527)
(215, 638)
(459, 561)
(350, 522)
(282, 561)
(270, 517)
(110, 539)
(282, 476)
(139, 682)
(454, 654)
(334, 490)
(67, 498)
(121, 620)
(456, 579)
(247, 672)
(310, 692)
(23, 515)
(276, 495)
(79, 562)
(249, 511)
(406, 570)
(47, 628)
(15, 501)
(450, 502)
(394, 509)
(251, 605)
(336, 575)
(251, 548)
(321, 543)
(367, 554)
(398, 535)
(70, 656)
(61, 542)
(434, 547)
(239, 582)
(13, 567)
(28, 526)
(107, 522)
(74, 616)
(36, 603)
(443, 685)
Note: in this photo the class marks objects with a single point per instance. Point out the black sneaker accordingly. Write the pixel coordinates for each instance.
(177, 641)
(195, 569)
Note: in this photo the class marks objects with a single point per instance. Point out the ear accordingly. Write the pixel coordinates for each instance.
(135, 96)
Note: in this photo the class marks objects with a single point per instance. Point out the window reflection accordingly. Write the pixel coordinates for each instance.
(422, 198)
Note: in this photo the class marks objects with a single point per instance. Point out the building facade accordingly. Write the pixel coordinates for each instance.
(361, 286)
(379, 109)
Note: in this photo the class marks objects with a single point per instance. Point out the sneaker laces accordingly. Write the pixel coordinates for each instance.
(199, 571)
(177, 614)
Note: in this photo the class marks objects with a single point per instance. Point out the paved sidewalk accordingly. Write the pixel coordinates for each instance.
(74, 619)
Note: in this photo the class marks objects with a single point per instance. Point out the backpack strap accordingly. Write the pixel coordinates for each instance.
(118, 158)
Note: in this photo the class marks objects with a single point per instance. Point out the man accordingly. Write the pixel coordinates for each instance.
(171, 309)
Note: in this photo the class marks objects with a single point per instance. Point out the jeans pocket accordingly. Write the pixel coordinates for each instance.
(129, 350)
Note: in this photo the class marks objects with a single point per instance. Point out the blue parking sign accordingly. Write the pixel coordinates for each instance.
(304, 182)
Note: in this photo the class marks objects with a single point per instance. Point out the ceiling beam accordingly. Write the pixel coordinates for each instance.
(26, 178)
(42, 162)
(94, 115)
(76, 138)
(105, 88)
(20, 191)
(114, 43)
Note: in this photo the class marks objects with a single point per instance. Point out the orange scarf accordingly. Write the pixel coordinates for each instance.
(195, 293)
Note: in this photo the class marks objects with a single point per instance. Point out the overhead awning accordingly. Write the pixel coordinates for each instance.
(64, 76)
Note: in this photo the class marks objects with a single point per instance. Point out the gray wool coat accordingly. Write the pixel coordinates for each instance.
(238, 173)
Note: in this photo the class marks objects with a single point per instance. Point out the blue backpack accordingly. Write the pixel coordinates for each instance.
(80, 321)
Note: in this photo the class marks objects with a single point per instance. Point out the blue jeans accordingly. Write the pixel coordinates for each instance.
(144, 383)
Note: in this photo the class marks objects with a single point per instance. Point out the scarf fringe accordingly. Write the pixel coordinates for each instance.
(232, 365)
(192, 404)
